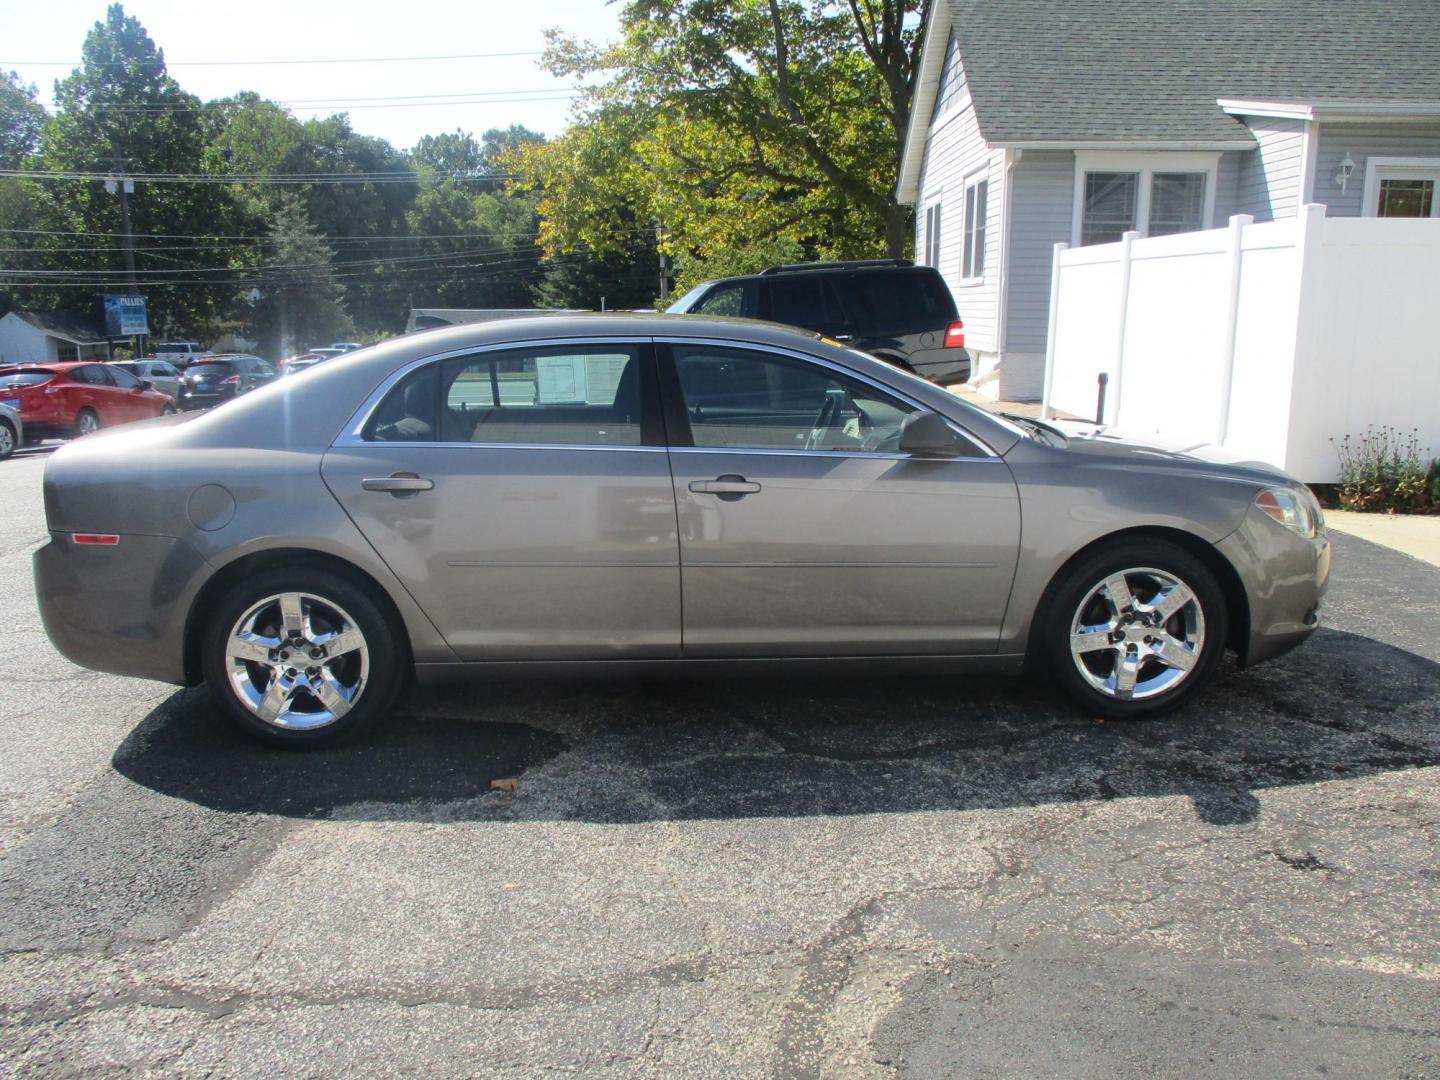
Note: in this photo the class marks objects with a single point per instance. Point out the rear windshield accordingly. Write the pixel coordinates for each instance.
(209, 367)
(897, 303)
(18, 380)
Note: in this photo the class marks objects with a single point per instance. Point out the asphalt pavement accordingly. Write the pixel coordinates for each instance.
(937, 877)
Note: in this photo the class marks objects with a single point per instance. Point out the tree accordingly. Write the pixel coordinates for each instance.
(20, 119)
(747, 125)
(300, 302)
(120, 111)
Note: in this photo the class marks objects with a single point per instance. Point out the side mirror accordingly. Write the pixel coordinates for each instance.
(146, 384)
(926, 434)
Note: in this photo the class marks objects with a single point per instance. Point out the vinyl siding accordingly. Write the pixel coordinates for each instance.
(1362, 141)
(1269, 180)
(954, 153)
(1043, 199)
(1227, 185)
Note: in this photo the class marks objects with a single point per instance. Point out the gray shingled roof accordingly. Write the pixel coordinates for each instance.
(1073, 70)
(65, 324)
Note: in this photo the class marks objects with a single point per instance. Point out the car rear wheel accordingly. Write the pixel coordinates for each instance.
(7, 439)
(168, 410)
(86, 422)
(1134, 630)
(302, 657)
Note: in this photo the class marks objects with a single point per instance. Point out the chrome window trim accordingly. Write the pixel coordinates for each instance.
(985, 451)
(353, 433)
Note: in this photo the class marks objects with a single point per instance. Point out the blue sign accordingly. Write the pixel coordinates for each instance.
(125, 316)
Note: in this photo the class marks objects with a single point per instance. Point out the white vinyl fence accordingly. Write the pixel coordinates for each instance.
(1270, 339)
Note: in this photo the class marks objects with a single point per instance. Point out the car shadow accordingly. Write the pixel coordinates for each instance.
(1340, 707)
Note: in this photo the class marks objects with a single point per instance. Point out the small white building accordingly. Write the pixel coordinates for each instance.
(38, 337)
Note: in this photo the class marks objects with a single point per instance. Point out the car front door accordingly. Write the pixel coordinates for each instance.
(804, 531)
(523, 496)
(129, 395)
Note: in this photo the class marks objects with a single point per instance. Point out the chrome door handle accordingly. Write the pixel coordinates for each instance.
(397, 484)
(728, 487)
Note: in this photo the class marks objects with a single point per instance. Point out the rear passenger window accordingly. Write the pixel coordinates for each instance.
(736, 301)
(805, 300)
(575, 395)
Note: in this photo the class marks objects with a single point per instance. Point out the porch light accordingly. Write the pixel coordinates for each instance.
(1343, 173)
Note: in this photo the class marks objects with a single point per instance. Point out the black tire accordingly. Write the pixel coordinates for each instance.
(168, 410)
(383, 638)
(1077, 585)
(80, 422)
(8, 441)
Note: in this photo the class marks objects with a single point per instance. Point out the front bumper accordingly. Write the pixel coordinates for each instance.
(1284, 576)
(117, 608)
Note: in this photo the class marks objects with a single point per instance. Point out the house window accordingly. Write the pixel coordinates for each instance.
(932, 235)
(972, 258)
(1402, 187)
(1149, 193)
(1110, 202)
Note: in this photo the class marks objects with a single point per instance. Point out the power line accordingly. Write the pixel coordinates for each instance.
(177, 108)
(267, 63)
(406, 177)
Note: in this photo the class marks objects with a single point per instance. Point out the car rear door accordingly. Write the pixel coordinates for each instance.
(805, 532)
(523, 496)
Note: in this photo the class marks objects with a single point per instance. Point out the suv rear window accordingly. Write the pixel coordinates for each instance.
(206, 368)
(896, 302)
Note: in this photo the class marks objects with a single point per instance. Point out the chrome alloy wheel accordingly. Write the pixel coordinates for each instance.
(89, 423)
(1137, 634)
(297, 661)
(7, 441)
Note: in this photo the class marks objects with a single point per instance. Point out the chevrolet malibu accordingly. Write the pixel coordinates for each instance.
(643, 493)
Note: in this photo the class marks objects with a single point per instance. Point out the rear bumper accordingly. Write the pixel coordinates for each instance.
(1285, 577)
(943, 366)
(116, 609)
(189, 400)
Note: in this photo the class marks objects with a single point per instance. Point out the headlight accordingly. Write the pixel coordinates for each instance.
(1289, 508)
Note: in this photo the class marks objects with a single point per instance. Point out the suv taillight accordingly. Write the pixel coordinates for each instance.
(955, 335)
(233, 380)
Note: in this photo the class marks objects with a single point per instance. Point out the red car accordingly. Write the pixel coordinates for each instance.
(77, 397)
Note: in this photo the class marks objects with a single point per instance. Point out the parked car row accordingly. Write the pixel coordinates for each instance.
(75, 398)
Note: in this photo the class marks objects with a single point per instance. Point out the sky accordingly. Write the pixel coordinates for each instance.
(45, 44)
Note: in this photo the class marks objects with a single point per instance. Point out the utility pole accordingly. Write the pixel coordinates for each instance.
(664, 267)
(124, 186)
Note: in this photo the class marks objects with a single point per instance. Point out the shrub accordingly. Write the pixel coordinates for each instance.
(1386, 471)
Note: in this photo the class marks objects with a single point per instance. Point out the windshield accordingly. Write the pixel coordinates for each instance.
(18, 380)
(998, 418)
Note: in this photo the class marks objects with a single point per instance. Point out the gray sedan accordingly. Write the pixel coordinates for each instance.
(652, 493)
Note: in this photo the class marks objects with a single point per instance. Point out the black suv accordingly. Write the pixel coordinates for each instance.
(213, 379)
(890, 308)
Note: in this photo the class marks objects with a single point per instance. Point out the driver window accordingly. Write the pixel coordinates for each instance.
(738, 399)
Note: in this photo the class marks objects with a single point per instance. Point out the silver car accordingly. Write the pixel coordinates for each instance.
(12, 430)
(160, 374)
(651, 493)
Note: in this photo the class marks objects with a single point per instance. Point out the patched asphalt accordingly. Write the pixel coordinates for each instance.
(779, 877)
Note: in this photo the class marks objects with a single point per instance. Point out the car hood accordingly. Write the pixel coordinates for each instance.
(1089, 438)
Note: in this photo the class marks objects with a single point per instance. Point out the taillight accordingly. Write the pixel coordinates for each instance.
(233, 380)
(955, 335)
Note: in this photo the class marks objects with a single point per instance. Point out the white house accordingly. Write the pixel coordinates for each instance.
(1037, 122)
(35, 337)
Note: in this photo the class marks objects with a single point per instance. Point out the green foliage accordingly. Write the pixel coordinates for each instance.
(744, 126)
(1386, 471)
(121, 111)
(20, 119)
(300, 305)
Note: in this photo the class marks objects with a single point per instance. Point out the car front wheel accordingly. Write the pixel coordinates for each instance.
(87, 423)
(302, 658)
(1134, 630)
(7, 439)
